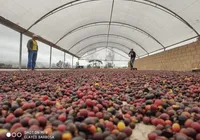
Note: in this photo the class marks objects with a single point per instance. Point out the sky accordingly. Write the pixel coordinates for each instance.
(9, 51)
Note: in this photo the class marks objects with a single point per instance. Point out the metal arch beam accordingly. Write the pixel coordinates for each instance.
(117, 53)
(145, 2)
(167, 10)
(102, 49)
(92, 53)
(113, 23)
(111, 15)
(59, 8)
(105, 48)
(103, 60)
(103, 42)
(99, 35)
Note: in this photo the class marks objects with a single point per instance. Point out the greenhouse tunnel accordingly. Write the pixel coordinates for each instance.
(85, 85)
(72, 26)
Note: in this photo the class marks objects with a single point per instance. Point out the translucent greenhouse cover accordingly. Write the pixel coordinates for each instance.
(80, 26)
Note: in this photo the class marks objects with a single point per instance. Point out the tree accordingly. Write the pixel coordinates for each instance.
(88, 66)
(110, 58)
(95, 63)
(109, 65)
(62, 64)
(59, 64)
(66, 65)
(2, 65)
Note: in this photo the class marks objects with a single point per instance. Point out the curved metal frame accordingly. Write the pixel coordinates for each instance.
(57, 9)
(103, 47)
(99, 35)
(93, 52)
(102, 43)
(111, 14)
(114, 23)
(145, 2)
(167, 10)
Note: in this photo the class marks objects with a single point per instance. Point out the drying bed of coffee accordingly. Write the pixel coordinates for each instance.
(99, 104)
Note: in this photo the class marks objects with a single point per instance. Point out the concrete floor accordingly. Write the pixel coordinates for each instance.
(141, 131)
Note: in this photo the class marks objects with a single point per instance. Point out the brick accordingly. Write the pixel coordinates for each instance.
(195, 44)
(181, 58)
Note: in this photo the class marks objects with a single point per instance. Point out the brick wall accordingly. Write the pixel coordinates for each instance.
(183, 58)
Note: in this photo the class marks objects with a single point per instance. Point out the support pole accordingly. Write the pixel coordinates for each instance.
(50, 57)
(64, 60)
(20, 52)
(72, 61)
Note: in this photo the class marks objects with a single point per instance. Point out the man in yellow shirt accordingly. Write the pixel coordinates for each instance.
(32, 52)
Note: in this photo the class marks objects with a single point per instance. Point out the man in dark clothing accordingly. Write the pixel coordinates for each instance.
(132, 55)
(32, 52)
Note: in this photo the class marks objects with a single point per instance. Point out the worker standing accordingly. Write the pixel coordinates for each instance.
(132, 56)
(32, 47)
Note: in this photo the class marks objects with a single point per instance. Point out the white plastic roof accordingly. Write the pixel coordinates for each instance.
(79, 26)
